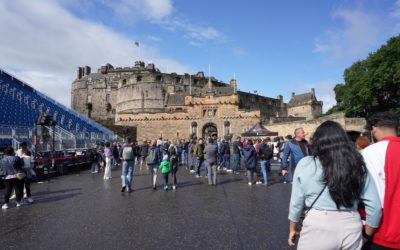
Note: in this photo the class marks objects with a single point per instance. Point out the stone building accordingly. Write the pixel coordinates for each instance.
(172, 105)
(304, 105)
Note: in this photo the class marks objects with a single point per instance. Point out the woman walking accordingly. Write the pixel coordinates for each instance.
(250, 161)
(109, 156)
(331, 183)
(11, 168)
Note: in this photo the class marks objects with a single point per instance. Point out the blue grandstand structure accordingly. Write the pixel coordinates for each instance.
(21, 106)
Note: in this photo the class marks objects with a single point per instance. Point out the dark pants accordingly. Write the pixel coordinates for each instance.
(16, 184)
(372, 246)
(174, 171)
(165, 175)
(27, 183)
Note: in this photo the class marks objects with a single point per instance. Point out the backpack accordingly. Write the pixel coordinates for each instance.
(172, 151)
(127, 153)
(152, 156)
(266, 152)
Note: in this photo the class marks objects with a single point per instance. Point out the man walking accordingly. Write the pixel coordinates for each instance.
(128, 155)
(237, 150)
(296, 149)
(211, 151)
(383, 162)
(199, 155)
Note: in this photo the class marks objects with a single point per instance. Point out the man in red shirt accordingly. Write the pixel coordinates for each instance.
(383, 162)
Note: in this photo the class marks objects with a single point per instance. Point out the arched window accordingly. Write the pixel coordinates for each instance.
(194, 128)
(227, 130)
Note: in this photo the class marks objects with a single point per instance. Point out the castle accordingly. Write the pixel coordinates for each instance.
(179, 106)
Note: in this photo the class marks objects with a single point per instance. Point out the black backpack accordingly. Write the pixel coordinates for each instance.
(266, 152)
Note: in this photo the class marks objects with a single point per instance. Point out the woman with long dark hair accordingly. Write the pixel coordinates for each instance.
(331, 183)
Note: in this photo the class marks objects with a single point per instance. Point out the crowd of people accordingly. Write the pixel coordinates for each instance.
(336, 182)
(209, 156)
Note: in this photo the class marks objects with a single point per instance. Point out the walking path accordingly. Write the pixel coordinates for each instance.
(82, 211)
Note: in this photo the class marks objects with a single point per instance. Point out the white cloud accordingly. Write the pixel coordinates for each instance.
(44, 44)
(140, 9)
(160, 13)
(196, 34)
(360, 32)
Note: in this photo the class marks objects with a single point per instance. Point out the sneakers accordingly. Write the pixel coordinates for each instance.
(154, 188)
(173, 187)
(250, 184)
(229, 170)
(13, 197)
(5, 206)
(258, 182)
(192, 171)
(166, 187)
(19, 204)
(29, 200)
(123, 189)
(197, 176)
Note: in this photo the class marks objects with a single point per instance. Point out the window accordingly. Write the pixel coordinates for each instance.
(109, 87)
(108, 98)
(124, 82)
(90, 88)
(89, 99)
(194, 128)
(139, 78)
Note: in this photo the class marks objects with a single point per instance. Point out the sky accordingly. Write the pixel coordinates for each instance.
(272, 47)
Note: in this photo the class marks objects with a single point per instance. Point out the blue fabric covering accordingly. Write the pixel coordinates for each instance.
(21, 105)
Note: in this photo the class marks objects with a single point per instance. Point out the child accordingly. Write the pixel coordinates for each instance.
(165, 168)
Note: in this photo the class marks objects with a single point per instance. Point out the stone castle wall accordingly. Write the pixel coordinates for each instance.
(168, 104)
(201, 111)
(309, 126)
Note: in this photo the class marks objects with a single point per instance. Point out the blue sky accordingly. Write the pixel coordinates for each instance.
(273, 47)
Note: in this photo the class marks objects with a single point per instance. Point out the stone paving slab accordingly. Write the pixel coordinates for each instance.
(83, 211)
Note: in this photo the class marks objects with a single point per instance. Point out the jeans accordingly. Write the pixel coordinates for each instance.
(127, 173)
(220, 159)
(212, 173)
(264, 170)
(27, 185)
(227, 161)
(165, 175)
(153, 170)
(250, 172)
(184, 158)
(198, 165)
(236, 162)
(95, 167)
(289, 176)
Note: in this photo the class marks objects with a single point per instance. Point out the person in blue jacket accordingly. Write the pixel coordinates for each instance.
(294, 151)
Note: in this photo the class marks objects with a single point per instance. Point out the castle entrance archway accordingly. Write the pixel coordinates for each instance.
(209, 129)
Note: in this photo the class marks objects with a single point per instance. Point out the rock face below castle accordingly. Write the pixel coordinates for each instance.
(172, 105)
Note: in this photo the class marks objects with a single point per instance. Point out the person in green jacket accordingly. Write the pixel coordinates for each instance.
(199, 155)
(165, 167)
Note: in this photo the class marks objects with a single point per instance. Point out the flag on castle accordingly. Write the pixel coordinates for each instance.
(136, 43)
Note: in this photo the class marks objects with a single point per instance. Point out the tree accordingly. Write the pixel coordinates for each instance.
(373, 84)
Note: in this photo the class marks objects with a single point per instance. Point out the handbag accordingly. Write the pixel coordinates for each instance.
(300, 226)
(20, 176)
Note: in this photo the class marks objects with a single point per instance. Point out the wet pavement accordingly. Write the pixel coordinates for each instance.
(83, 211)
